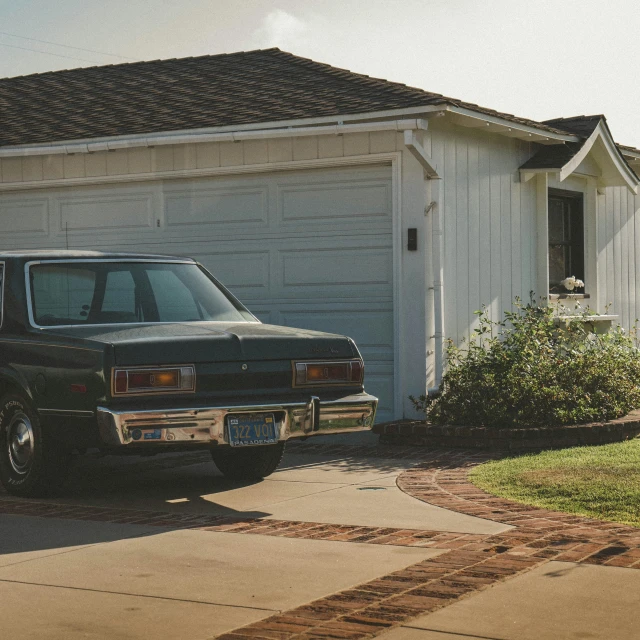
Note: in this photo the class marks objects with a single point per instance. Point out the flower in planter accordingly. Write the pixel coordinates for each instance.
(572, 283)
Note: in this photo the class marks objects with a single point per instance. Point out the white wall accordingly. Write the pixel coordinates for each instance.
(618, 247)
(489, 223)
(490, 230)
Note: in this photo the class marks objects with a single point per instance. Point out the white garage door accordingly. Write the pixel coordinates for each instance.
(308, 249)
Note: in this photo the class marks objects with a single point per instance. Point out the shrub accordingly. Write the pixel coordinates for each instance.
(531, 370)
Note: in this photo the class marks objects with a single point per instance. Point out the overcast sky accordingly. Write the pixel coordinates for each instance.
(538, 58)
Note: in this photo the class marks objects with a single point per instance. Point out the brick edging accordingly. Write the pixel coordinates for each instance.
(537, 532)
(419, 433)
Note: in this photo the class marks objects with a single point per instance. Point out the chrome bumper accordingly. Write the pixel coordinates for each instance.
(208, 424)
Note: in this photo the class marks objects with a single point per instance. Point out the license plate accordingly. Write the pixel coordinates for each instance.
(251, 429)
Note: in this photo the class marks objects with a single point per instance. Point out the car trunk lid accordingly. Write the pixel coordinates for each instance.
(207, 342)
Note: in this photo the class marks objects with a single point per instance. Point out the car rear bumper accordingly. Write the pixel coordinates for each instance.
(207, 425)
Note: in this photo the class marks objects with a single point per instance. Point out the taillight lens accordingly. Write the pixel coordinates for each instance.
(156, 380)
(342, 372)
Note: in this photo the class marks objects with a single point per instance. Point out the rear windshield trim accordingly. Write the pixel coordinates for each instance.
(35, 325)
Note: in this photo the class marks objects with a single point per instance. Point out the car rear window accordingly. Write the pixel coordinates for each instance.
(88, 293)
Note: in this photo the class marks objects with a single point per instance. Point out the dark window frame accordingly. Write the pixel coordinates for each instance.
(574, 226)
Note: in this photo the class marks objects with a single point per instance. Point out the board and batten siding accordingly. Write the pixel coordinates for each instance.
(490, 230)
(618, 254)
(489, 224)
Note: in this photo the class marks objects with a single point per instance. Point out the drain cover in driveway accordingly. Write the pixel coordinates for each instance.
(372, 488)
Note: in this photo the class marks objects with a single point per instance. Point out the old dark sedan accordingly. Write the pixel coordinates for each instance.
(144, 353)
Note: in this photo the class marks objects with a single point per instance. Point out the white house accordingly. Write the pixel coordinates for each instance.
(323, 198)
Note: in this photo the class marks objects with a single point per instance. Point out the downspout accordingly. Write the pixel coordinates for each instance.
(437, 283)
(433, 198)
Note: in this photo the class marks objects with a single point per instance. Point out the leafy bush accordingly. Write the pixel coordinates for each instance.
(531, 370)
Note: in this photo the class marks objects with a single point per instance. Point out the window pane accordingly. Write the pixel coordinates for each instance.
(557, 264)
(174, 300)
(566, 240)
(558, 231)
(62, 295)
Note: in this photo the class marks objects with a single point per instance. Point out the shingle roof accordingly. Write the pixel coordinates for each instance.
(580, 125)
(553, 156)
(557, 156)
(191, 93)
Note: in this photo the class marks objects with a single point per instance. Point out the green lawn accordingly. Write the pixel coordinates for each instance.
(601, 482)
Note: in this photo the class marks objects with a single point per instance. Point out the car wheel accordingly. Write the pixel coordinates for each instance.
(31, 463)
(251, 463)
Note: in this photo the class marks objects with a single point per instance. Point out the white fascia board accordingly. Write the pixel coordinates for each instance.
(601, 132)
(514, 126)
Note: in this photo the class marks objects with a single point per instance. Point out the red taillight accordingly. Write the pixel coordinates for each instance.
(157, 380)
(328, 372)
(320, 373)
(154, 379)
(120, 385)
(357, 371)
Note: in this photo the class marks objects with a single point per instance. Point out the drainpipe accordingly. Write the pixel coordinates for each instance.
(432, 186)
(433, 208)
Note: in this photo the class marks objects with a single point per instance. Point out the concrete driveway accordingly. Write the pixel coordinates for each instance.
(166, 548)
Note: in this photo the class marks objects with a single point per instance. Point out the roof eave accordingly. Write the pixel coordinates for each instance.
(496, 124)
(493, 124)
(600, 140)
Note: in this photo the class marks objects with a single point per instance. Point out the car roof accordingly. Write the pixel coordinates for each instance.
(74, 254)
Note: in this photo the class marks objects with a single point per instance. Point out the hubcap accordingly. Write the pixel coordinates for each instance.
(20, 443)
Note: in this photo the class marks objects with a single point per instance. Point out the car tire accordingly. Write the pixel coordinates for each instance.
(32, 464)
(252, 463)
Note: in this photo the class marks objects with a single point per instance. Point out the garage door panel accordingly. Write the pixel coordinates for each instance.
(332, 201)
(215, 207)
(346, 267)
(313, 177)
(24, 217)
(372, 330)
(105, 211)
(246, 273)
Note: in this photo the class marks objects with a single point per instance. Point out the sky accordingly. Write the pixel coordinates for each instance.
(539, 59)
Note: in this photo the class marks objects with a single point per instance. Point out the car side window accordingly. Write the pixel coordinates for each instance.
(173, 298)
(62, 293)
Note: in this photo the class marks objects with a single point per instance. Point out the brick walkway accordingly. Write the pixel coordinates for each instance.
(441, 479)
(468, 564)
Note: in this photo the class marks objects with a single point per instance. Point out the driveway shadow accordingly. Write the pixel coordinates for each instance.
(182, 483)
